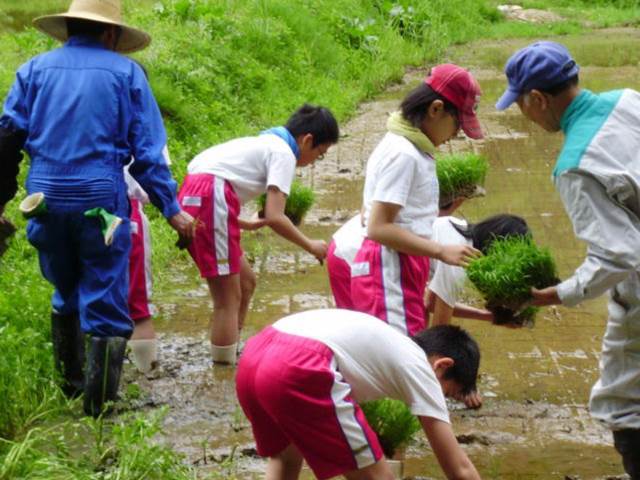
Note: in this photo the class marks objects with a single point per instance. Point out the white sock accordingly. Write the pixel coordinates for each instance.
(225, 354)
(144, 354)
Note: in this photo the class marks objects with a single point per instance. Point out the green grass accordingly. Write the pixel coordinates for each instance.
(299, 202)
(459, 175)
(505, 275)
(94, 450)
(393, 423)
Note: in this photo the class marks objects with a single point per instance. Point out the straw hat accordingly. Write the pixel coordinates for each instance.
(101, 11)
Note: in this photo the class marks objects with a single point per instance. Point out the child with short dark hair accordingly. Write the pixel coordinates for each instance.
(299, 382)
(225, 176)
(597, 175)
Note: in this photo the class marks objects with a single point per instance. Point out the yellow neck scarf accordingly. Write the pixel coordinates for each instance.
(398, 125)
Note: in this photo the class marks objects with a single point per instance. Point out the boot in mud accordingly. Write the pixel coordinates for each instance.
(68, 352)
(104, 364)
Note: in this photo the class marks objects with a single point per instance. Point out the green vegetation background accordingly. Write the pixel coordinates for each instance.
(219, 69)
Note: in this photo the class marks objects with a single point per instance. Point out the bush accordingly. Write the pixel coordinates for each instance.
(461, 175)
(393, 423)
(299, 202)
(505, 275)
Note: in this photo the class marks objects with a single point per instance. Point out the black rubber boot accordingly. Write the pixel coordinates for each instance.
(68, 352)
(104, 364)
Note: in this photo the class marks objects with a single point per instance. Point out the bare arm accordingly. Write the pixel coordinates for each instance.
(276, 219)
(383, 230)
(442, 311)
(452, 459)
(254, 223)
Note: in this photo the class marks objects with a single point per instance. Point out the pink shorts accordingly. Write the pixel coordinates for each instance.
(339, 278)
(292, 393)
(391, 286)
(215, 206)
(139, 263)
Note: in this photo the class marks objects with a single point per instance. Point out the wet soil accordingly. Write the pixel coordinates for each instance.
(534, 423)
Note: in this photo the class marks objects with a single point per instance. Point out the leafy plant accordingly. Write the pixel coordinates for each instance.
(505, 275)
(393, 423)
(299, 202)
(460, 175)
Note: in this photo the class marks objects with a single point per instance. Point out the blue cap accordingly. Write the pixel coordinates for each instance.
(540, 65)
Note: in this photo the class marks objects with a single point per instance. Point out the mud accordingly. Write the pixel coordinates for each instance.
(534, 423)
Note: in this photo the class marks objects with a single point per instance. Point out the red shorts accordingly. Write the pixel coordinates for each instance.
(139, 263)
(391, 286)
(292, 393)
(215, 206)
(339, 278)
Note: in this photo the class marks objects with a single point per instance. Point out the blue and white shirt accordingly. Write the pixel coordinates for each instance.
(598, 177)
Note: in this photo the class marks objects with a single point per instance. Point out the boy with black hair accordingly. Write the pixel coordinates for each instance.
(300, 379)
(598, 177)
(225, 176)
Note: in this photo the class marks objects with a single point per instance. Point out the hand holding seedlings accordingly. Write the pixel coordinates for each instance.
(458, 255)
(545, 296)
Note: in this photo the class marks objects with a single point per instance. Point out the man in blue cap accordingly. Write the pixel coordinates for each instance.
(81, 112)
(598, 177)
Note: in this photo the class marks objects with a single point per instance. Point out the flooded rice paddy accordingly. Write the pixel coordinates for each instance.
(534, 423)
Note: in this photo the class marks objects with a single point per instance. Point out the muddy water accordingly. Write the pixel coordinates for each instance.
(536, 382)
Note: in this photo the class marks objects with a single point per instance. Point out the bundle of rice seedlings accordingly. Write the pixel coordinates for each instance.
(392, 421)
(299, 202)
(461, 175)
(505, 275)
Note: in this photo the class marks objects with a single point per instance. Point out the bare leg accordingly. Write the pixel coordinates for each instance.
(247, 287)
(226, 295)
(378, 471)
(286, 465)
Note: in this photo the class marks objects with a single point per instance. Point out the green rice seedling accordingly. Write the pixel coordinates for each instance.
(461, 175)
(392, 421)
(299, 202)
(505, 275)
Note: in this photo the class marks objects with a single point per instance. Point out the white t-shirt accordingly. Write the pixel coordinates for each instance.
(376, 360)
(399, 173)
(134, 189)
(250, 164)
(348, 239)
(447, 281)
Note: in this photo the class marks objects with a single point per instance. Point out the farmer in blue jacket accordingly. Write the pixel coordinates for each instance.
(81, 112)
(597, 175)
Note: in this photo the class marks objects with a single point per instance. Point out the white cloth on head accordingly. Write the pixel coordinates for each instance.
(250, 164)
(399, 173)
(376, 360)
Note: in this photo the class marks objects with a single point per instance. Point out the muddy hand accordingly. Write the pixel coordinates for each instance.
(544, 297)
(185, 225)
(319, 250)
(459, 255)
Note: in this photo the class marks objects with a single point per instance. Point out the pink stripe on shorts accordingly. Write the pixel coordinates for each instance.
(391, 286)
(215, 206)
(292, 393)
(139, 263)
(339, 278)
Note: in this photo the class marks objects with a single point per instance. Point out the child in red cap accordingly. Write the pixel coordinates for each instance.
(400, 200)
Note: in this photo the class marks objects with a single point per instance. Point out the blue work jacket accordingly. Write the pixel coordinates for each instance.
(85, 111)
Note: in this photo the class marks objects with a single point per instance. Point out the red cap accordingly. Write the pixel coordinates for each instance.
(459, 87)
